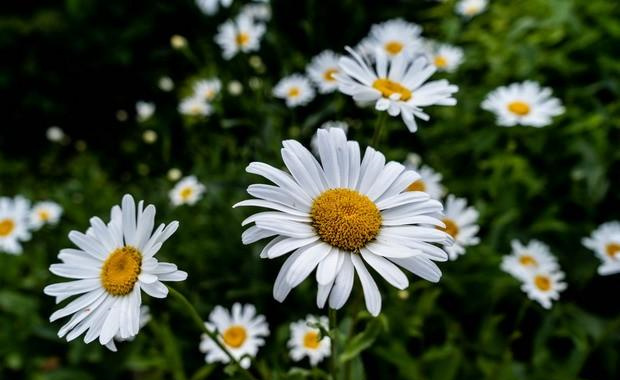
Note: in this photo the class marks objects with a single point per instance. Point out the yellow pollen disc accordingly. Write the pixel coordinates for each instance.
(451, 228)
(234, 336)
(418, 185)
(293, 92)
(312, 340)
(528, 261)
(195, 109)
(6, 227)
(242, 39)
(120, 271)
(186, 193)
(328, 75)
(44, 215)
(612, 249)
(543, 283)
(519, 108)
(440, 61)
(471, 10)
(393, 47)
(388, 87)
(345, 218)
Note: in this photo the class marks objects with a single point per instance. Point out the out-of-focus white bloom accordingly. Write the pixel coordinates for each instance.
(207, 89)
(210, 7)
(14, 225)
(257, 11)
(42, 213)
(306, 340)
(55, 134)
(471, 8)
(605, 242)
(144, 110)
(445, 57)
(145, 317)
(235, 87)
(187, 191)
(149, 136)
(314, 142)
(322, 69)
(239, 35)
(393, 38)
(195, 106)
(529, 258)
(544, 286)
(295, 89)
(174, 174)
(165, 83)
(460, 222)
(429, 180)
(178, 42)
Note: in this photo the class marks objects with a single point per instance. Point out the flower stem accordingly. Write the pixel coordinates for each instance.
(378, 128)
(333, 329)
(213, 335)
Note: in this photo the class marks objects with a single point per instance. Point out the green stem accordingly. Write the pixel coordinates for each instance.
(376, 136)
(213, 335)
(333, 329)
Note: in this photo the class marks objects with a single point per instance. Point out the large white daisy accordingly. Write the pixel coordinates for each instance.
(429, 181)
(296, 89)
(460, 222)
(42, 213)
(471, 8)
(306, 340)
(187, 191)
(605, 242)
(523, 103)
(322, 69)
(544, 286)
(526, 259)
(393, 38)
(242, 34)
(395, 86)
(241, 331)
(337, 215)
(111, 266)
(14, 225)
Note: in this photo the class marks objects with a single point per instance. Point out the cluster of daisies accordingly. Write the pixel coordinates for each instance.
(199, 102)
(18, 218)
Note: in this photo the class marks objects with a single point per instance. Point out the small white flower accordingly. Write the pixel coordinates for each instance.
(144, 110)
(445, 57)
(429, 181)
(145, 317)
(207, 89)
(306, 340)
(394, 38)
(55, 134)
(523, 103)
(527, 259)
(322, 69)
(242, 331)
(257, 11)
(195, 106)
(314, 142)
(178, 42)
(470, 8)
(295, 89)
(239, 35)
(44, 213)
(187, 191)
(165, 83)
(460, 222)
(605, 242)
(210, 7)
(14, 226)
(544, 286)
(234, 87)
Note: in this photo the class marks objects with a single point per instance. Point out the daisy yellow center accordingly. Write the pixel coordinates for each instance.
(328, 75)
(472, 9)
(451, 228)
(234, 336)
(293, 92)
(242, 39)
(519, 108)
(612, 249)
(528, 261)
(196, 109)
(393, 47)
(440, 61)
(6, 227)
(186, 193)
(388, 87)
(121, 270)
(418, 185)
(312, 340)
(543, 283)
(345, 218)
(44, 215)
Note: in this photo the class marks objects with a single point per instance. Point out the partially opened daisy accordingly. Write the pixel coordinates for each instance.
(460, 222)
(314, 142)
(44, 213)
(207, 89)
(241, 331)
(524, 103)
(397, 86)
(393, 37)
(14, 226)
(306, 340)
(296, 89)
(242, 34)
(445, 57)
(195, 106)
(544, 286)
(341, 214)
(113, 263)
(471, 8)
(605, 242)
(526, 259)
(322, 69)
(429, 180)
(210, 7)
(187, 191)
(145, 317)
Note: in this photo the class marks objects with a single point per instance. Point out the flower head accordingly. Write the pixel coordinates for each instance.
(460, 222)
(393, 38)
(210, 7)
(306, 340)
(207, 89)
(257, 11)
(444, 57)
(605, 242)
(14, 226)
(295, 89)
(471, 8)
(322, 70)
(195, 106)
(544, 286)
(429, 181)
(144, 110)
(187, 191)
(314, 142)
(242, 34)
(44, 213)
(526, 259)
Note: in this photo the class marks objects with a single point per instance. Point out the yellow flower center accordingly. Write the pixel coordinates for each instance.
(328, 75)
(543, 283)
(186, 193)
(234, 336)
(312, 340)
(44, 215)
(418, 185)
(293, 92)
(612, 249)
(451, 228)
(472, 10)
(242, 39)
(440, 61)
(393, 47)
(195, 109)
(388, 87)
(345, 218)
(519, 108)
(120, 271)
(6, 227)
(528, 261)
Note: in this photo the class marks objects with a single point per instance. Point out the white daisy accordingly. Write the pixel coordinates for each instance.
(314, 142)
(241, 34)
(113, 264)
(523, 103)
(306, 340)
(207, 89)
(55, 134)
(605, 242)
(470, 8)
(338, 214)
(14, 224)
(394, 38)
(210, 7)
(44, 213)
(257, 11)
(242, 331)
(144, 110)
(527, 259)
(460, 222)
(445, 57)
(295, 89)
(145, 317)
(165, 83)
(322, 69)
(544, 286)
(429, 181)
(187, 191)
(195, 106)
(395, 86)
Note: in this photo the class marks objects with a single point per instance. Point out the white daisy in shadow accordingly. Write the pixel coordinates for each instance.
(43, 213)
(242, 34)
(544, 286)
(322, 70)
(295, 89)
(394, 38)
(306, 340)
(526, 259)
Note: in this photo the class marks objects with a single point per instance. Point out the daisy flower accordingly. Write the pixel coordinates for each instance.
(187, 191)
(13, 224)
(295, 89)
(396, 86)
(341, 214)
(471, 8)
(445, 57)
(314, 142)
(322, 69)
(241, 330)
(523, 103)
(111, 266)
(527, 259)
(306, 340)
(210, 7)
(605, 242)
(429, 181)
(241, 34)
(257, 11)
(207, 89)
(55, 134)
(544, 286)
(144, 110)
(393, 38)
(195, 106)
(145, 317)
(44, 213)
(460, 222)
